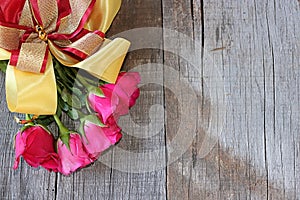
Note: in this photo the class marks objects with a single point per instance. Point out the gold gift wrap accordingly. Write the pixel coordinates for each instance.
(30, 79)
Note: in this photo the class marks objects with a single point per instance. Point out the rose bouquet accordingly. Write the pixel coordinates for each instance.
(58, 63)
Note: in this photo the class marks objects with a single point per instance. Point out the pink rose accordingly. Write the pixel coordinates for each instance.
(126, 90)
(118, 98)
(36, 145)
(74, 158)
(105, 106)
(97, 139)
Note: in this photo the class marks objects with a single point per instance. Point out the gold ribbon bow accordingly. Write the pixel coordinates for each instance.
(30, 79)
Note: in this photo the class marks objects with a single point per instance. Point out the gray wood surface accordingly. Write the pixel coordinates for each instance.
(227, 73)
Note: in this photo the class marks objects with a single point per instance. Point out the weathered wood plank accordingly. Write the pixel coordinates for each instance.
(241, 156)
(179, 19)
(253, 159)
(282, 25)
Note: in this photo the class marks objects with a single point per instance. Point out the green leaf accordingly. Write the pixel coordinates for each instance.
(3, 65)
(64, 95)
(76, 103)
(43, 116)
(58, 111)
(78, 97)
(95, 120)
(83, 99)
(91, 119)
(81, 127)
(44, 120)
(87, 105)
(97, 91)
(66, 140)
(101, 82)
(73, 114)
(72, 90)
(92, 81)
(63, 105)
(70, 99)
(74, 70)
(59, 86)
(45, 128)
(78, 83)
(60, 74)
(70, 73)
(76, 91)
(25, 127)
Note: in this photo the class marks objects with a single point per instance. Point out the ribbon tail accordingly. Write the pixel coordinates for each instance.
(102, 20)
(31, 93)
(106, 63)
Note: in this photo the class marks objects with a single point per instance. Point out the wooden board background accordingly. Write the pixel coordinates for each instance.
(255, 45)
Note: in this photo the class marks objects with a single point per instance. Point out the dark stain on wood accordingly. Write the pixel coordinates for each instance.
(217, 34)
(218, 49)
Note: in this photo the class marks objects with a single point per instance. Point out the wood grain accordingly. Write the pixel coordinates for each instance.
(254, 46)
(243, 164)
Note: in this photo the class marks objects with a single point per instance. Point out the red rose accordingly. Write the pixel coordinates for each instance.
(36, 145)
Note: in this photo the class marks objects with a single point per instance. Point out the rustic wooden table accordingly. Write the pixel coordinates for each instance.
(247, 143)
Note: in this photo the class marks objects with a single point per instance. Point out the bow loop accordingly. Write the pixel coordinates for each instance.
(10, 37)
(46, 14)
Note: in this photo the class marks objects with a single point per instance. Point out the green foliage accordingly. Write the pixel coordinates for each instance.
(44, 120)
(3, 65)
